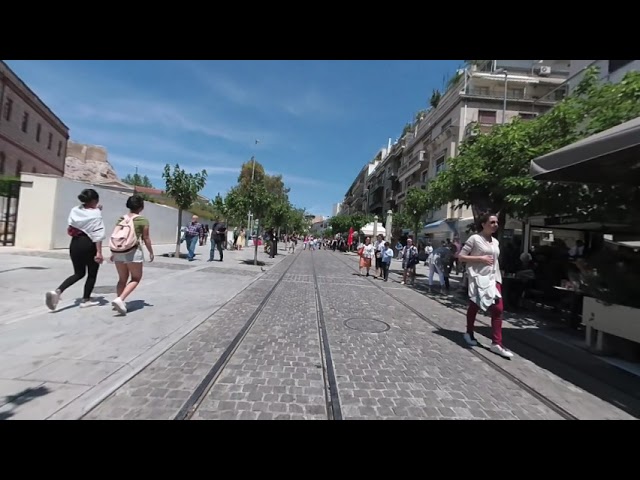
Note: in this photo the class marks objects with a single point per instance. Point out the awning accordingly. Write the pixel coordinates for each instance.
(368, 229)
(609, 157)
(434, 224)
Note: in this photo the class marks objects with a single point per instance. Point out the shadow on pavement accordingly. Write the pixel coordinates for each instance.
(76, 304)
(579, 368)
(137, 305)
(24, 268)
(21, 398)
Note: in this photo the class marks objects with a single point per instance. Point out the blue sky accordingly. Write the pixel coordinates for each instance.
(318, 122)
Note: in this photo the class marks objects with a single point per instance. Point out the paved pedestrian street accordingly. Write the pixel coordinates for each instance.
(311, 339)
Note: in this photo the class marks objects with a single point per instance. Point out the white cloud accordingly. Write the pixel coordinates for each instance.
(303, 103)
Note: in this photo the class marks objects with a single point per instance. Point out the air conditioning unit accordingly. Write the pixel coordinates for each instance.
(545, 71)
(421, 156)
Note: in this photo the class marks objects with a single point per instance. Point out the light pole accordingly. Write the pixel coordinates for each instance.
(506, 83)
(250, 215)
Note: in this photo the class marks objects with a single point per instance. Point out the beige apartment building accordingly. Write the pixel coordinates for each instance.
(32, 138)
(482, 95)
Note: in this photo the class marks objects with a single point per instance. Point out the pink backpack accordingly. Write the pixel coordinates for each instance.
(124, 238)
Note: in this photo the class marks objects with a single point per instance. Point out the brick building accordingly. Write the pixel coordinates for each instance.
(32, 138)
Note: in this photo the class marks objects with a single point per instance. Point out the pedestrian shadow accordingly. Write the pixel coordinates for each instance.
(577, 367)
(21, 398)
(136, 305)
(101, 303)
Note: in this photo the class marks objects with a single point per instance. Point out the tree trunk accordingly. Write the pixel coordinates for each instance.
(177, 254)
(255, 252)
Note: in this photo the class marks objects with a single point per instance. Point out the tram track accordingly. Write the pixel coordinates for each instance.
(200, 393)
(553, 406)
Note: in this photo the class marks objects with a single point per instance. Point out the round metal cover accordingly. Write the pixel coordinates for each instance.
(367, 325)
(105, 289)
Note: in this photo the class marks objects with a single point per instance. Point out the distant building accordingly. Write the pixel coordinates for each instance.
(337, 208)
(32, 138)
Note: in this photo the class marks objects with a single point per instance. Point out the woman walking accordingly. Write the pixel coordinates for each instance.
(86, 229)
(129, 264)
(480, 253)
(367, 252)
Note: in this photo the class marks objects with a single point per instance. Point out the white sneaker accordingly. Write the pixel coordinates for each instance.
(90, 303)
(470, 340)
(500, 350)
(51, 299)
(119, 306)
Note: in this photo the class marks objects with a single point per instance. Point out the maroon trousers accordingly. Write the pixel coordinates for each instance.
(496, 311)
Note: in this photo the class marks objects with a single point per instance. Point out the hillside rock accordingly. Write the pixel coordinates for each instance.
(88, 163)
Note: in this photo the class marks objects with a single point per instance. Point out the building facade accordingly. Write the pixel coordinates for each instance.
(478, 98)
(32, 138)
(336, 209)
(610, 70)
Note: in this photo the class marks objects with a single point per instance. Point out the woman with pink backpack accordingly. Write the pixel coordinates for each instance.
(126, 248)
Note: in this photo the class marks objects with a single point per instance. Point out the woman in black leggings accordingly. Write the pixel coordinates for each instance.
(86, 229)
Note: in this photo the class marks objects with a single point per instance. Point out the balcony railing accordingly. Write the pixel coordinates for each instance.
(498, 94)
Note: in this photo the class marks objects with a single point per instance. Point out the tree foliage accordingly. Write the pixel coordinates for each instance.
(413, 211)
(266, 197)
(138, 180)
(183, 188)
(342, 223)
(491, 172)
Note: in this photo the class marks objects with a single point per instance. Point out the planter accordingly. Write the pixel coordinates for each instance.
(617, 320)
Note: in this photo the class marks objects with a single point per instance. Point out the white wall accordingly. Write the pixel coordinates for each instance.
(44, 209)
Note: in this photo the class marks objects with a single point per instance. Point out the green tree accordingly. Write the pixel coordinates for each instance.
(138, 180)
(183, 188)
(342, 223)
(219, 208)
(250, 198)
(416, 205)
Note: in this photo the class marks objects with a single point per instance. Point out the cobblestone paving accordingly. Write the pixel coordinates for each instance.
(276, 373)
(572, 398)
(160, 390)
(409, 371)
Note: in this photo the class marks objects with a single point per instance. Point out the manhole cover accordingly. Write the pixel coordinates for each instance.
(367, 325)
(105, 289)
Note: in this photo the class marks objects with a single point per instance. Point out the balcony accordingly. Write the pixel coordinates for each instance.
(497, 93)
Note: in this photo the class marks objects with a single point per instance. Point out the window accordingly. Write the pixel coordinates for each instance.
(515, 92)
(481, 91)
(615, 65)
(50, 140)
(440, 164)
(2, 159)
(18, 168)
(425, 176)
(487, 117)
(445, 125)
(8, 108)
(38, 132)
(59, 148)
(25, 121)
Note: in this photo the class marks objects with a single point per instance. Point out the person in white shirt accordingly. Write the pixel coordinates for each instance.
(481, 252)
(428, 250)
(367, 252)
